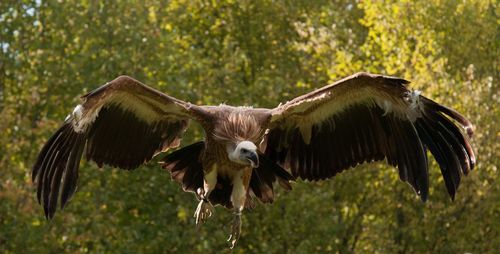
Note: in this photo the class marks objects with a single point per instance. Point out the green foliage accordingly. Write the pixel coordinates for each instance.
(252, 53)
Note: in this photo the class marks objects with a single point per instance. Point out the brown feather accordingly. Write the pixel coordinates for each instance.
(366, 118)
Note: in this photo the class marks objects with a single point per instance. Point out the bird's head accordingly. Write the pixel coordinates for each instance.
(244, 152)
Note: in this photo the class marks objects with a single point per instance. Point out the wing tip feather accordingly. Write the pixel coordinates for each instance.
(51, 168)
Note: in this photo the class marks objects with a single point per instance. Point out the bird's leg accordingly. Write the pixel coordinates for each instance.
(205, 209)
(235, 228)
(238, 198)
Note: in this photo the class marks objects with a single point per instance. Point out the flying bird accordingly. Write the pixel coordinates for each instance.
(361, 118)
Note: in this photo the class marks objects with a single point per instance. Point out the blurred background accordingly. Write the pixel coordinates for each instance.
(257, 53)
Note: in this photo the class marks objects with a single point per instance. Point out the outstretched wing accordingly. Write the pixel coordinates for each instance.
(122, 124)
(365, 118)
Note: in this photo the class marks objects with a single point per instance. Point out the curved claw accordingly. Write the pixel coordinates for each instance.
(203, 212)
(235, 230)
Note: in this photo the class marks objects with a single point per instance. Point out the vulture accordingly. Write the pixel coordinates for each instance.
(361, 118)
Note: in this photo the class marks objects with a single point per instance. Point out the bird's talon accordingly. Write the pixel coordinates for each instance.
(203, 212)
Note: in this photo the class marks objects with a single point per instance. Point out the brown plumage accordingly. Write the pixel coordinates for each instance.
(361, 118)
(238, 125)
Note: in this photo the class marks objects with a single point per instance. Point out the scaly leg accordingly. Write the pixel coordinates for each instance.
(235, 229)
(205, 209)
(238, 198)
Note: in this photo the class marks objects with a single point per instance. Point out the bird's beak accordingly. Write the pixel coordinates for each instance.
(253, 158)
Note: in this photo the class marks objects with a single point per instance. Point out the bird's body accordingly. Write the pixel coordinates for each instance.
(361, 118)
(216, 161)
(223, 173)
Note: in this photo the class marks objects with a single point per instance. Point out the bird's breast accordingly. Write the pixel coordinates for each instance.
(228, 169)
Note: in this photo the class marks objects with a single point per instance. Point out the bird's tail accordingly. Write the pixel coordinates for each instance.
(185, 167)
(263, 177)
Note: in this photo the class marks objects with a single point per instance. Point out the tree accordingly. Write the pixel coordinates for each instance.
(252, 53)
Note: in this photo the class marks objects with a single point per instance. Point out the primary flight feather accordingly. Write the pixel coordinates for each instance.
(362, 118)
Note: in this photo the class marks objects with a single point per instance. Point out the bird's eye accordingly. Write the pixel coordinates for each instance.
(244, 150)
